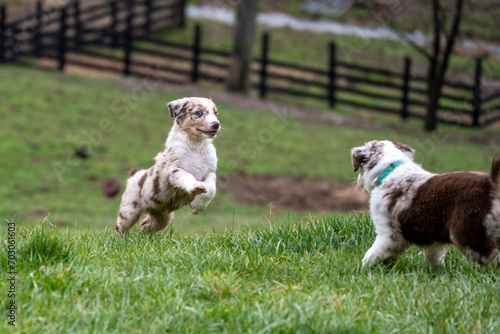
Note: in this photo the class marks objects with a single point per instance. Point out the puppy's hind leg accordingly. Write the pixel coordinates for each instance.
(126, 219)
(434, 254)
(481, 249)
(157, 221)
(130, 207)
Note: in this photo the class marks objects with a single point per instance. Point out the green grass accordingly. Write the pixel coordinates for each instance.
(48, 114)
(296, 276)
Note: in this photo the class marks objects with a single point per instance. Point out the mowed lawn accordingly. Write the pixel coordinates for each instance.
(295, 276)
(286, 273)
(123, 123)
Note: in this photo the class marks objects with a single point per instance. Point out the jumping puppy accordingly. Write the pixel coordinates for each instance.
(184, 172)
(411, 205)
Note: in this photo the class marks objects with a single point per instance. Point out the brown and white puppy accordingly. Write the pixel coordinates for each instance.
(184, 172)
(409, 205)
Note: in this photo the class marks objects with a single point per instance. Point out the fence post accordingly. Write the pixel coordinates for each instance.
(114, 22)
(476, 113)
(196, 53)
(12, 41)
(263, 65)
(2, 33)
(332, 100)
(78, 27)
(62, 39)
(147, 17)
(38, 36)
(128, 37)
(406, 88)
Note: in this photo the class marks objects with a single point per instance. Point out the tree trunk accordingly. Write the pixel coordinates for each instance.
(239, 71)
(432, 108)
(432, 87)
(438, 61)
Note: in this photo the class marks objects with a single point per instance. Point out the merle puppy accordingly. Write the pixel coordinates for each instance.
(411, 205)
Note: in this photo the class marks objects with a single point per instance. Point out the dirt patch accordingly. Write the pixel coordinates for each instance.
(301, 194)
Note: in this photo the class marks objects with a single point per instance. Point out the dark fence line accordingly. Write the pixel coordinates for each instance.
(116, 36)
(388, 91)
(86, 25)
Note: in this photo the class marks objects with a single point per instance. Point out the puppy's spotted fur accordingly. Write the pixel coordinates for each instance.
(184, 172)
(410, 205)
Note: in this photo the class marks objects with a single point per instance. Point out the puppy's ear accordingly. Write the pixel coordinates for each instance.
(178, 107)
(410, 152)
(357, 157)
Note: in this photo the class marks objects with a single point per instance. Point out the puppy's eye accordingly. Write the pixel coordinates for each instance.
(216, 113)
(199, 113)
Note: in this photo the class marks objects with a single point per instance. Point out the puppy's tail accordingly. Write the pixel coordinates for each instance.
(133, 171)
(495, 175)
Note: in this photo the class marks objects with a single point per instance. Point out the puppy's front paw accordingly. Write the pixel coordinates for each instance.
(369, 259)
(198, 205)
(197, 210)
(199, 188)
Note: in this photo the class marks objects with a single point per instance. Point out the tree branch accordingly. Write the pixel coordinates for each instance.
(452, 36)
(404, 37)
(442, 20)
(437, 29)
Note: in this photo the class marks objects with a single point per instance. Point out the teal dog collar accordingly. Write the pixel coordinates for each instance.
(388, 171)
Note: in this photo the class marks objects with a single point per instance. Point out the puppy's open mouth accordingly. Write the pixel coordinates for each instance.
(208, 133)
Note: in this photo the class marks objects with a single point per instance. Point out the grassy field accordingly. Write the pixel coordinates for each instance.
(291, 276)
(47, 115)
(236, 267)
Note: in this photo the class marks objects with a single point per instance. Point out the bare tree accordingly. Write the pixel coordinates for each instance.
(439, 58)
(443, 40)
(239, 72)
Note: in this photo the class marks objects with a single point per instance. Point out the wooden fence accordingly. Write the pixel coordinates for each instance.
(117, 36)
(388, 91)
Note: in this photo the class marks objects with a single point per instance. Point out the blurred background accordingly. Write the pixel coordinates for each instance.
(84, 87)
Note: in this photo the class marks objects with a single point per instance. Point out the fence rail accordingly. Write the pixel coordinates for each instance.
(116, 36)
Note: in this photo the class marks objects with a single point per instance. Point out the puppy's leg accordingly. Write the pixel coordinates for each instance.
(131, 207)
(435, 254)
(481, 248)
(382, 249)
(179, 178)
(127, 217)
(484, 257)
(200, 202)
(157, 221)
(493, 255)
(389, 243)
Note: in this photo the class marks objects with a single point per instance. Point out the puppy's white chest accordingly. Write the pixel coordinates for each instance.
(196, 163)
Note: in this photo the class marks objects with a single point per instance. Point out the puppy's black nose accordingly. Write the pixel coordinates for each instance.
(215, 125)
